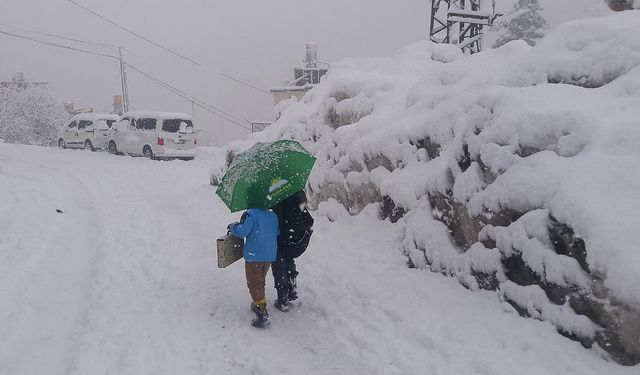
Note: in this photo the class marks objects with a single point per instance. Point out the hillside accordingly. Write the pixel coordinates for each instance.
(513, 170)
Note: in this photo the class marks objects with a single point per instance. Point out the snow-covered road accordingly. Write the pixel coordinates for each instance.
(124, 281)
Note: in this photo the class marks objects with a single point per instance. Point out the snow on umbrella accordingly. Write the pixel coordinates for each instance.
(265, 174)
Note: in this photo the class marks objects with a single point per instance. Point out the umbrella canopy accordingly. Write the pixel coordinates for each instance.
(265, 174)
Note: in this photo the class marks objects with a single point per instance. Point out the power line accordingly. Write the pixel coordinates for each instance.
(240, 118)
(111, 46)
(235, 79)
(58, 45)
(200, 103)
(131, 32)
(225, 75)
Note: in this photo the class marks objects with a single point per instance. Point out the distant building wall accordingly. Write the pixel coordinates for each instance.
(286, 94)
(304, 78)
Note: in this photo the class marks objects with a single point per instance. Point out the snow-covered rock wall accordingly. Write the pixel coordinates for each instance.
(514, 170)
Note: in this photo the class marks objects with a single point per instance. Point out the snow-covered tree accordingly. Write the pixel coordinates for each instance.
(30, 115)
(524, 22)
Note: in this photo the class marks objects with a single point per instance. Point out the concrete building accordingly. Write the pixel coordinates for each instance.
(304, 78)
(72, 110)
(286, 92)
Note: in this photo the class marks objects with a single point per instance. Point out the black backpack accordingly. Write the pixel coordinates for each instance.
(297, 244)
(295, 222)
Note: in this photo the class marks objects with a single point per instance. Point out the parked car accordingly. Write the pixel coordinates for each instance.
(156, 135)
(86, 130)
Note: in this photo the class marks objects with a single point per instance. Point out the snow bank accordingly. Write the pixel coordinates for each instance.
(217, 157)
(515, 167)
(591, 52)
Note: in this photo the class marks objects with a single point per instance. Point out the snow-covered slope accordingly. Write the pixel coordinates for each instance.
(514, 170)
(124, 281)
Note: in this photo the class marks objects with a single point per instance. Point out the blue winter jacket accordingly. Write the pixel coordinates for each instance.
(260, 228)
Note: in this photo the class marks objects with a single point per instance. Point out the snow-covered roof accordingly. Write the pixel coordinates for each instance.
(95, 116)
(292, 88)
(159, 115)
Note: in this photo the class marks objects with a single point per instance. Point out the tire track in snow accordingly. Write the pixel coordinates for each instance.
(122, 279)
(47, 276)
(155, 261)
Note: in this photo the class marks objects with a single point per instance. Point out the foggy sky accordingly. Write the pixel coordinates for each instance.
(259, 41)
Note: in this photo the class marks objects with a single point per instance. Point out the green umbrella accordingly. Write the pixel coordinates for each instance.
(265, 174)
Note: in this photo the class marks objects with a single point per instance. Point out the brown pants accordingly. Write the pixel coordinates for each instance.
(256, 275)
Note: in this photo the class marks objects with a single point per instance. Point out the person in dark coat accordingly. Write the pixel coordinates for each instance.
(295, 223)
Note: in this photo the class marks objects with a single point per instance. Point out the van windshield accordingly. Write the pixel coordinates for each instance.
(174, 125)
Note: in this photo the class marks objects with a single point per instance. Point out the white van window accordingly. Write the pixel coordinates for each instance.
(173, 125)
(110, 123)
(84, 124)
(73, 124)
(146, 123)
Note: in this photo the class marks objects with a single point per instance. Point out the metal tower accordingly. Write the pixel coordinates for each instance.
(459, 22)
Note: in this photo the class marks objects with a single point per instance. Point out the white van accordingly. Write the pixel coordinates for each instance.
(86, 130)
(157, 135)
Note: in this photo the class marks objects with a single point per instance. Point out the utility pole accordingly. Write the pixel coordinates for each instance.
(123, 83)
(193, 110)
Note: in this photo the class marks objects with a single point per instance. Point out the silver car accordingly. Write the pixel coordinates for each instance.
(86, 130)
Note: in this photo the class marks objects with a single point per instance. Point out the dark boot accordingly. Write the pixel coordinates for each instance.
(262, 316)
(293, 293)
(282, 303)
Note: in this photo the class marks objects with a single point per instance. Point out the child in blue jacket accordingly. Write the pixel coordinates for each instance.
(260, 229)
